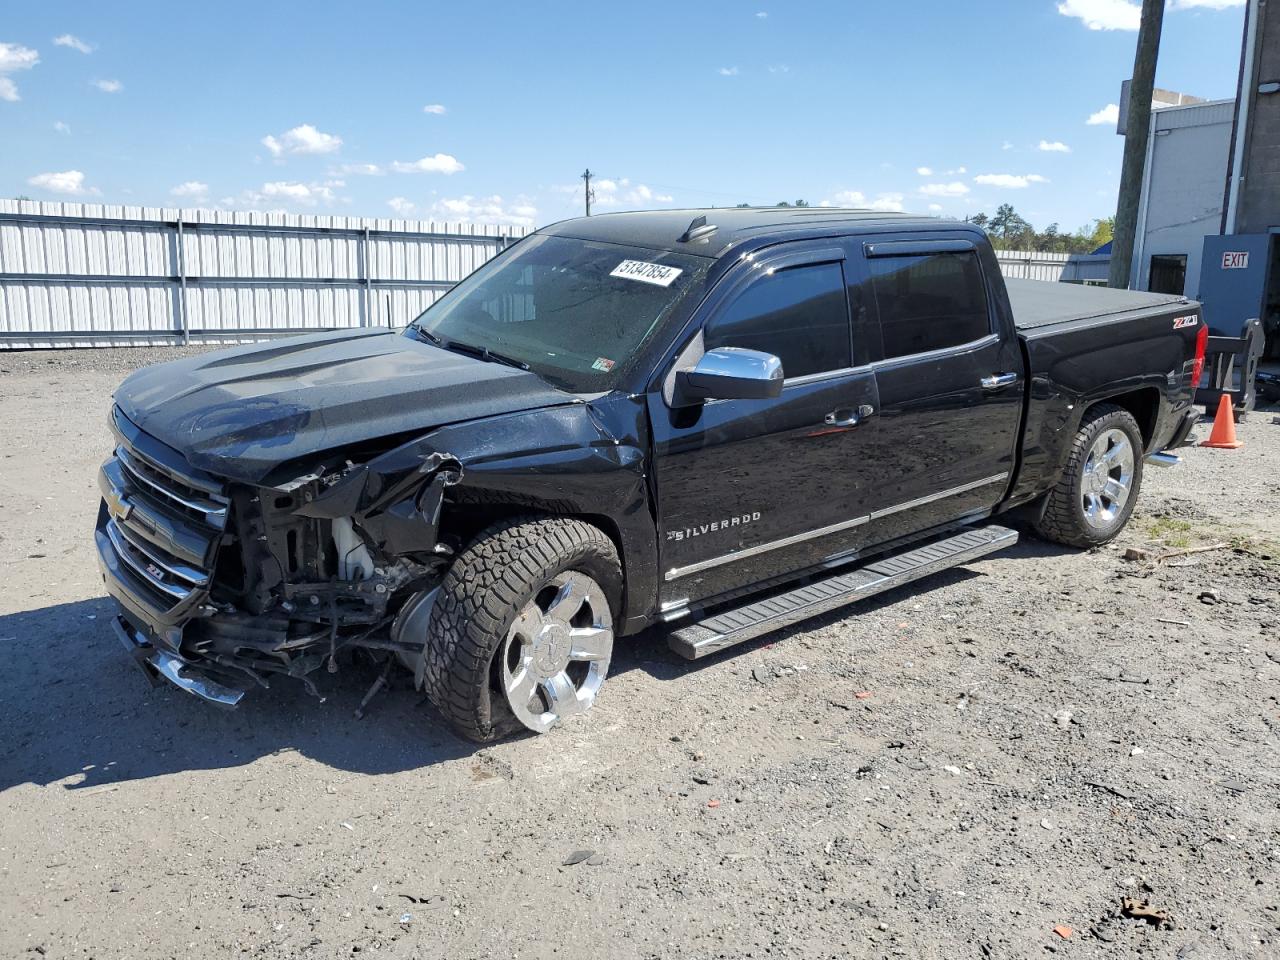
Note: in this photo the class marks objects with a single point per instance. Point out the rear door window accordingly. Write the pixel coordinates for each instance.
(929, 302)
(799, 314)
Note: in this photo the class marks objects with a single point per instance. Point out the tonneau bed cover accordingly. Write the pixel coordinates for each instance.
(1040, 303)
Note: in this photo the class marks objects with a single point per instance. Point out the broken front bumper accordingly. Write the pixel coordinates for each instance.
(156, 663)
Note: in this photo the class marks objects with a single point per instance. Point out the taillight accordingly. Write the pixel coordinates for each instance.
(1197, 364)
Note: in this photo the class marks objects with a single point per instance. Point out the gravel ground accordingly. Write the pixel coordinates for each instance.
(953, 771)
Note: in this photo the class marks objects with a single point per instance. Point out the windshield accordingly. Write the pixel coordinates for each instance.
(572, 311)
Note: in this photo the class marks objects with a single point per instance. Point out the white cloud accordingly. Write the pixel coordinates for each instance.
(1110, 115)
(436, 108)
(1057, 146)
(1126, 14)
(1103, 14)
(109, 86)
(856, 199)
(439, 163)
(728, 71)
(1006, 145)
(14, 57)
(623, 193)
(762, 14)
(924, 171)
(780, 68)
(953, 189)
(192, 189)
(1009, 181)
(290, 192)
(935, 208)
(492, 209)
(70, 182)
(302, 139)
(61, 127)
(357, 169)
(402, 206)
(75, 43)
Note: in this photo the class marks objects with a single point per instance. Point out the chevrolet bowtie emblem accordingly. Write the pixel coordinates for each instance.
(117, 505)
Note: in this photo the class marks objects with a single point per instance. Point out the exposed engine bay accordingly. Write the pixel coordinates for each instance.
(297, 573)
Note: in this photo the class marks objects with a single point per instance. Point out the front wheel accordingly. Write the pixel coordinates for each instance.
(522, 632)
(1096, 494)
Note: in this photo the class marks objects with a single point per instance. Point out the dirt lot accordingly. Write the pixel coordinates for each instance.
(949, 772)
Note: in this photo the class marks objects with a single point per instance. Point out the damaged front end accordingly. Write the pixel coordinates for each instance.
(225, 585)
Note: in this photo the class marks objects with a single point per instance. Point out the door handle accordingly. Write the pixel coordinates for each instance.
(998, 381)
(849, 418)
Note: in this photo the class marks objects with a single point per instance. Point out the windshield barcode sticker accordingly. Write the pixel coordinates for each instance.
(654, 273)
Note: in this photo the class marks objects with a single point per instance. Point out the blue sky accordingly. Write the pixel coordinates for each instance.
(489, 112)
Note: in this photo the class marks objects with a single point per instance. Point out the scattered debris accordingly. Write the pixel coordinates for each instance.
(347, 825)
(863, 695)
(953, 770)
(1063, 718)
(1063, 931)
(1047, 823)
(578, 856)
(713, 803)
(1136, 752)
(1176, 623)
(406, 919)
(1107, 788)
(1137, 553)
(432, 900)
(1209, 597)
(1142, 910)
(1190, 550)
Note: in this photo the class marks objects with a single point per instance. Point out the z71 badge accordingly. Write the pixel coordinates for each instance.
(1180, 322)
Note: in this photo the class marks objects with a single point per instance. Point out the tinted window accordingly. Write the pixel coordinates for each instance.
(799, 315)
(927, 303)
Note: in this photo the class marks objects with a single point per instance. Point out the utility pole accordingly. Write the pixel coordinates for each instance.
(1137, 133)
(587, 193)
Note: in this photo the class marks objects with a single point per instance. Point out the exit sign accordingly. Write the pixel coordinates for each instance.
(1235, 261)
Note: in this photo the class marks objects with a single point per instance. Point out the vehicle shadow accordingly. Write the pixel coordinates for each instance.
(649, 651)
(76, 711)
(75, 708)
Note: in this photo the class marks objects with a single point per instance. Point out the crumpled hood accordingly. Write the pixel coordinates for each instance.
(240, 413)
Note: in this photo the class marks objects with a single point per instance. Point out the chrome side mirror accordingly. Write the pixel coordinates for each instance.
(731, 373)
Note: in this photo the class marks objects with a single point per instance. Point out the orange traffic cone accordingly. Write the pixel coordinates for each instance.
(1223, 434)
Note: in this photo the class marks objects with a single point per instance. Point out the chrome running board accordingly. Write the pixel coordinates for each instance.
(726, 628)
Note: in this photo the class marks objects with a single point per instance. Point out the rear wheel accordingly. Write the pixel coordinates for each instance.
(1096, 494)
(522, 632)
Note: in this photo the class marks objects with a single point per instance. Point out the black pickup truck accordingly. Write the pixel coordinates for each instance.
(722, 420)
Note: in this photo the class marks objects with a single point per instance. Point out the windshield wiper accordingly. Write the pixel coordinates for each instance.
(484, 353)
(424, 334)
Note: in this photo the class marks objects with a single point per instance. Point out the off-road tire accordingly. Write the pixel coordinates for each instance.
(480, 597)
(1063, 518)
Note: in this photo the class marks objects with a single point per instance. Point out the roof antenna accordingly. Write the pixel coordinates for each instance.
(698, 229)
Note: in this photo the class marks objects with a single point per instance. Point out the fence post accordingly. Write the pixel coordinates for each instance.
(182, 286)
(367, 319)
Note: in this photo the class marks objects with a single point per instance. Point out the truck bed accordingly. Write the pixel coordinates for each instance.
(1038, 303)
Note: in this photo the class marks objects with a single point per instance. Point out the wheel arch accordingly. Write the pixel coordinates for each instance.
(1143, 404)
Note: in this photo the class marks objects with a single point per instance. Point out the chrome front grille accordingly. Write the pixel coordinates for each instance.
(160, 527)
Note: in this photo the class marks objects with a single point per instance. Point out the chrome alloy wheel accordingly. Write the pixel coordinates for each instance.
(557, 651)
(1108, 478)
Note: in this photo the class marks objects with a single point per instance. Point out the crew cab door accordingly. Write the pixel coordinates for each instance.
(749, 490)
(950, 382)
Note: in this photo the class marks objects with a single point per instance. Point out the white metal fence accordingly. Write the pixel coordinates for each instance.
(87, 274)
(1064, 267)
(94, 275)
